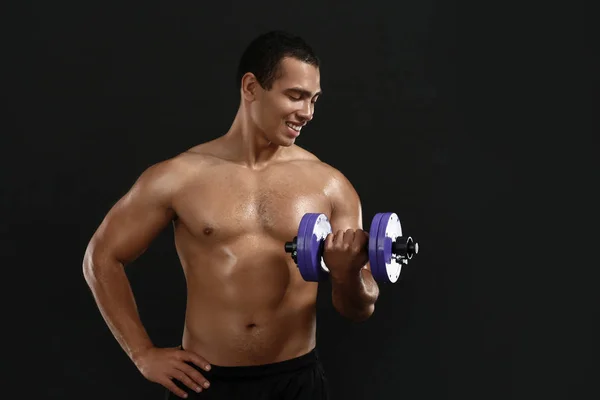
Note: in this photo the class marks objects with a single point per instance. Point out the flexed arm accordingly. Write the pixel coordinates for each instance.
(124, 234)
(354, 290)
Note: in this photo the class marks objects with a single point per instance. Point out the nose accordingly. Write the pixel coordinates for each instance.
(307, 111)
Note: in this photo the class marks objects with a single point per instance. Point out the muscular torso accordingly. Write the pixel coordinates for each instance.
(246, 301)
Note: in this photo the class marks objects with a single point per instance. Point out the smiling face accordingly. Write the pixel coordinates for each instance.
(281, 111)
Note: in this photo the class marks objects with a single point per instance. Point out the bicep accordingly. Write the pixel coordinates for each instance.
(133, 222)
(346, 206)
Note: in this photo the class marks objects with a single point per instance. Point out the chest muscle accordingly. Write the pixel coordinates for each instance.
(247, 205)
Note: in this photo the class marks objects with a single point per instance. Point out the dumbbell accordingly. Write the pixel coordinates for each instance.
(388, 249)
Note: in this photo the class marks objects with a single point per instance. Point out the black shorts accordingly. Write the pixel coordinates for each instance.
(299, 379)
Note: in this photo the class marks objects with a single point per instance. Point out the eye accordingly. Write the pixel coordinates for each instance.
(295, 98)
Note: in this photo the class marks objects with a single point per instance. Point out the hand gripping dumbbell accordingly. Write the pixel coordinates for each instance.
(387, 248)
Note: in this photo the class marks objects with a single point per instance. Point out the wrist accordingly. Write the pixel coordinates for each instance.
(346, 276)
(137, 355)
(357, 287)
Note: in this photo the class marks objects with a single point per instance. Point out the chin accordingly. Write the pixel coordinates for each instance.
(281, 139)
(287, 142)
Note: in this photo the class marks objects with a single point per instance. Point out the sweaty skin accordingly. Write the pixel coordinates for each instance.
(247, 303)
(233, 203)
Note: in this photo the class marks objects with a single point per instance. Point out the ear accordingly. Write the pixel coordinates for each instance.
(249, 87)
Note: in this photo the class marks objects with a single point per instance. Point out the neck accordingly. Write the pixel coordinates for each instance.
(248, 144)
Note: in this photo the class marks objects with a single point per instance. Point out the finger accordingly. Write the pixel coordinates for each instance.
(169, 384)
(338, 240)
(358, 246)
(197, 377)
(182, 377)
(329, 240)
(349, 236)
(196, 359)
(361, 238)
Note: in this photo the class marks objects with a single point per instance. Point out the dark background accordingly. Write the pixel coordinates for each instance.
(440, 109)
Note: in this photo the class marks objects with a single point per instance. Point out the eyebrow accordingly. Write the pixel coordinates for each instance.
(304, 92)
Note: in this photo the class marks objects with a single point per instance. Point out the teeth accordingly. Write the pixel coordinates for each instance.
(294, 127)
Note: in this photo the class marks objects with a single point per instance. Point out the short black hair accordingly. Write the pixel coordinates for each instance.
(263, 55)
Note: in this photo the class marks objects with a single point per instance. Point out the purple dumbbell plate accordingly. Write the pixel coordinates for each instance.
(385, 228)
(312, 232)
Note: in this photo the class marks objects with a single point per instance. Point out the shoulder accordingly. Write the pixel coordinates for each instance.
(169, 175)
(336, 184)
(346, 207)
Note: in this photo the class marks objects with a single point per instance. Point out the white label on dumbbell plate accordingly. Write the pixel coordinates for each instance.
(393, 230)
(321, 230)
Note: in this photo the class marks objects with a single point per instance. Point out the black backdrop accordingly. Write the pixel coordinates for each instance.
(421, 95)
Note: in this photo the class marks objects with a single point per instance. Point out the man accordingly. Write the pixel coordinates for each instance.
(250, 321)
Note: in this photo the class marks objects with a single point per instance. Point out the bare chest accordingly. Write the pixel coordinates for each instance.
(229, 206)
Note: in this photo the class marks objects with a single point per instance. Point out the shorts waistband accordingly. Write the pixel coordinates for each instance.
(252, 371)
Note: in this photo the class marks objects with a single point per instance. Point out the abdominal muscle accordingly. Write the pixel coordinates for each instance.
(246, 302)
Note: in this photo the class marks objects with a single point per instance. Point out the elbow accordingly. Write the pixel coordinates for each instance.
(356, 314)
(363, 314)
(95, 264)
(88, 269)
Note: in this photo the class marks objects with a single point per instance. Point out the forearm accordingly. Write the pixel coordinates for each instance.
(113, 295)
(354, 296)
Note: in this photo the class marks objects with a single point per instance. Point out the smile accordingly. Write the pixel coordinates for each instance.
(294, 127)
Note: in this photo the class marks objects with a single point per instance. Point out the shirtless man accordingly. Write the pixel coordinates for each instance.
(250, 323)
